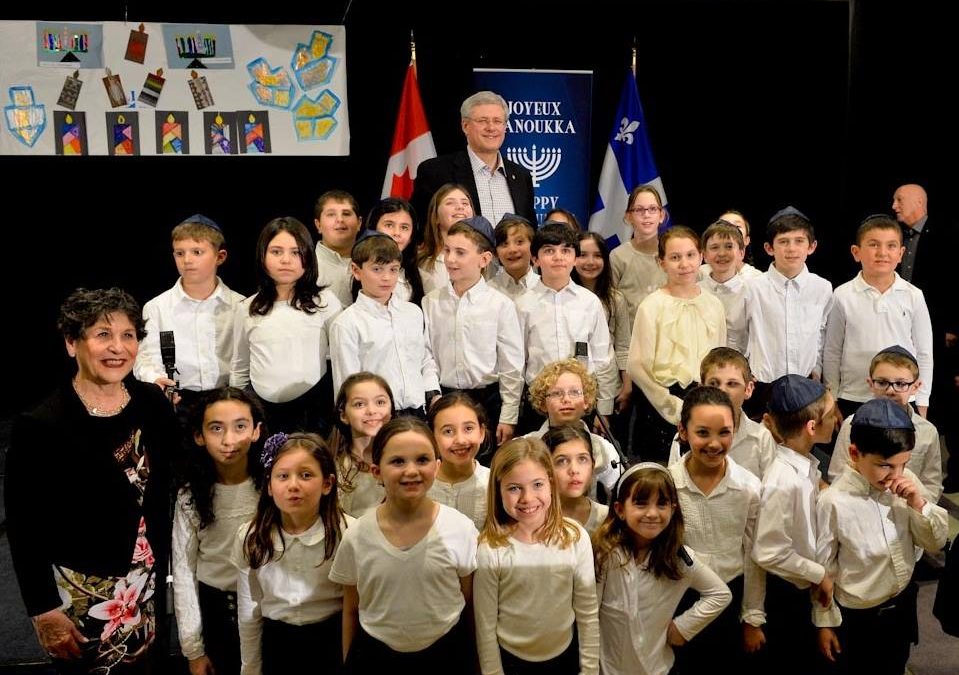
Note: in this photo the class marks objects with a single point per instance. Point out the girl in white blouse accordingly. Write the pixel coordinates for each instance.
(675, 328)
(460, 427)
(217, 496)
(285, 599)
(572, 451)
(535, 590)
(642, 572)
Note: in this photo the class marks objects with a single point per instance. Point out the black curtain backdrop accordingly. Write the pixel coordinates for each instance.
(826, 105)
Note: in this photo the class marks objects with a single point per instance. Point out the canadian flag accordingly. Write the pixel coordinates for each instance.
(412, 141)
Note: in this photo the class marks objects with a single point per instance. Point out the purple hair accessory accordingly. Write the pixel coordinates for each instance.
(271, 447)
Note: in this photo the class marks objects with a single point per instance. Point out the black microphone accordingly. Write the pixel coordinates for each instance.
(168, 356)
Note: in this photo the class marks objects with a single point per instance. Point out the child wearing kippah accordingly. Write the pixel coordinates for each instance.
(869, 521)
(801, 413)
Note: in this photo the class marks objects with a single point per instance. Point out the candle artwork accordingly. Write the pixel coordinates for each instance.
(220, 137)
(122, 137)
(172, 136)
(70, 136)
(253, 135)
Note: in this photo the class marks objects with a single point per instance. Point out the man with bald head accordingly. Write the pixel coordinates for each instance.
(929, 263)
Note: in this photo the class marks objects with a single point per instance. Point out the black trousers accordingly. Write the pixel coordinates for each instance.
(221, 637)
(454, 652)
(566, 663)
(313, 647)
(790, 635)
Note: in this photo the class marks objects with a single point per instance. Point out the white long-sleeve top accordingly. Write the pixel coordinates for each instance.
(526, 598)
(294, 587)
(753, 448)
(925, 460)
(408, 598)
(786, 323)
(866, 542)
(205, 555)
(284, 353)
(636, 274)
(203, 333)
(333, 272)
(721, 527)
(636, 607)
(786, 531)
(509, 286)
(468, 496)
(670, 338)
(732, 293)
(863, 321)
(475, 340)
(438, 277)
(387, 340)
(552, 322)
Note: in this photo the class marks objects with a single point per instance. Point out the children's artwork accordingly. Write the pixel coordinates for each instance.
(137, 45)
(75, 45)
(114, 88)
(123, 130)
(70, 132)
(172, 132)
(198, 45)
(150, 94)
(270, 86)
(311, 63)
(26, 119)
(254, 126)
(200, 90)
(71, 91)
(221, 134)
(243, 72)
(314, 119)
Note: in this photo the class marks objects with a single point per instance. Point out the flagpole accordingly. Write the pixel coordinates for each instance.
(633, 66)
(412, 50)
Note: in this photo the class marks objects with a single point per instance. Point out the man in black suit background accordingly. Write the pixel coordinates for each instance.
(928, 263)
(496, 185)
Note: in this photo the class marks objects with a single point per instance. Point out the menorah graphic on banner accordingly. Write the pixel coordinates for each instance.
(541, 165)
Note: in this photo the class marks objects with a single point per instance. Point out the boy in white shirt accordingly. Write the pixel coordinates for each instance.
(802, 413)
(875, 309)
(513, 236)
(786, 308)
(894, 374)
(753, 448)
(869, 521)
(472, 331)
(723, 251)
(198, 310)
(382, 334)
(560, 319)
(337, 220)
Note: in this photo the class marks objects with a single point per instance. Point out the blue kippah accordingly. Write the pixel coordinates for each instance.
(883, 413)
(483, 226)
(794, 392)
(368, 234)
(200, 219)
(899, 349)
(788, 211)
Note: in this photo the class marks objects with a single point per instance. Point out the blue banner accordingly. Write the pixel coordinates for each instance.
(548, 132)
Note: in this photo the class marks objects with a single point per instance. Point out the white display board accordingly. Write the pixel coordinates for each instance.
(256, 89)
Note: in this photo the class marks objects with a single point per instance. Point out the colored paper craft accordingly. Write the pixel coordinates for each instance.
(71, 91)
(137, 45)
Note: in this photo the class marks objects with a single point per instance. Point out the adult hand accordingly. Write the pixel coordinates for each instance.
(58, 635)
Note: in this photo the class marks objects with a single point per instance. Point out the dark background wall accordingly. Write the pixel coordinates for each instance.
(827, 105)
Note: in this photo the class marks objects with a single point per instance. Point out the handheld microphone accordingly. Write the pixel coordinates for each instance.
(168, 356)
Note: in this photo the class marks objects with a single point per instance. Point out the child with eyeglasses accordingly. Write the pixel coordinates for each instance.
(636, 272)
(875, 309)
(894, 374)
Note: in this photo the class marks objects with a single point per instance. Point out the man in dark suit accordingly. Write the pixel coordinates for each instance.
(928, 264)
(496, 185)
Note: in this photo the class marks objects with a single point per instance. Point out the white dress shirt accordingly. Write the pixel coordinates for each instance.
(475, 340)
(753, 448)
(333, 271)
(721, 528)
(203, 334)
(786, 321)
(866, 542)
(294, 587)
(206, 555)
(495, 199)
(284, 353)
(468, 496)
(636, 274)
(732, 293)
(526, 598)
(387, 340)
(925, 461)
(670, 338)
(786, 532)
(862, 322)
(438, 277)
(509, 286)
(636, 608)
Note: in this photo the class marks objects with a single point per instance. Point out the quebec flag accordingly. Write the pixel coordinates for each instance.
(628, 163)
